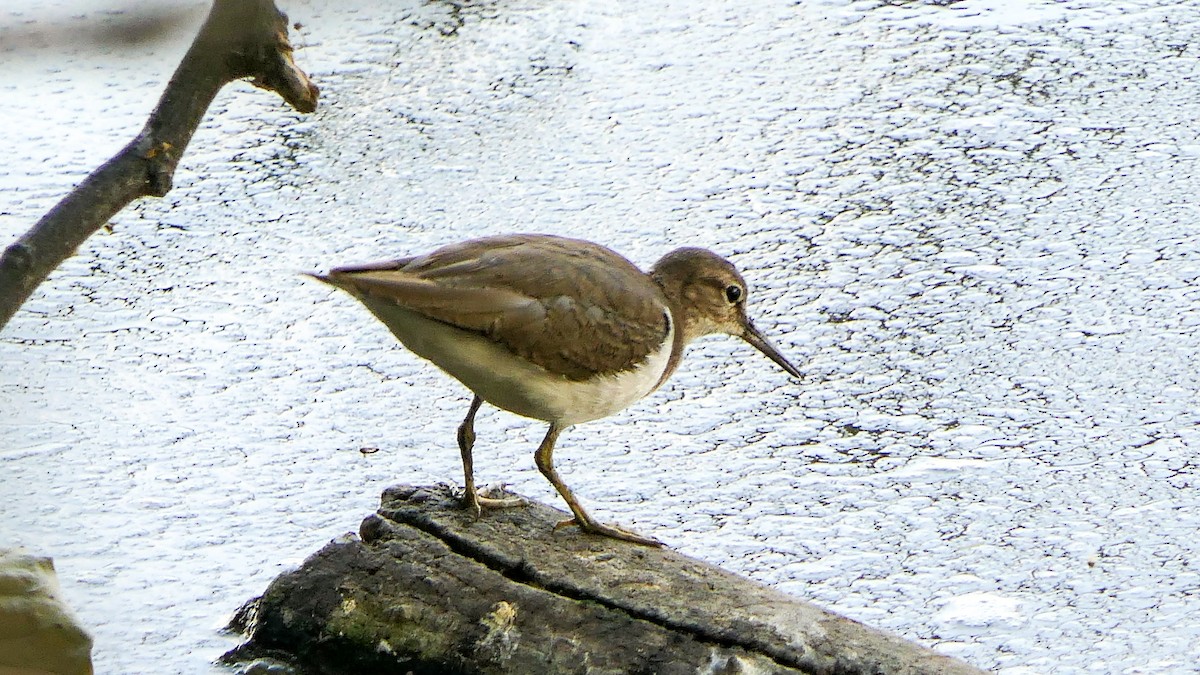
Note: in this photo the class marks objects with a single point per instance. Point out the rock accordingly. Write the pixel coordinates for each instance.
(39, 635)
(426, 588)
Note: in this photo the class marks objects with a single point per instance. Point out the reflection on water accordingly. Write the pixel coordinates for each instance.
(970, 223)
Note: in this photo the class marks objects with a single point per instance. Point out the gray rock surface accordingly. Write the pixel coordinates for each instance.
(427, 588)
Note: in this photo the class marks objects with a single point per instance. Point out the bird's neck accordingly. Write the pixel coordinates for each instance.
(687, 322)
(683, 326)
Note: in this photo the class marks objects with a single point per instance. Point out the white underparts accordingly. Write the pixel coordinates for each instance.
(514, 384)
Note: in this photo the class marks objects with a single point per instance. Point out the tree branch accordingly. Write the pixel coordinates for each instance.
(239, 39)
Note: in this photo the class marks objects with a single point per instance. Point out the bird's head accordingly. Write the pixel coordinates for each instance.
(710, 297)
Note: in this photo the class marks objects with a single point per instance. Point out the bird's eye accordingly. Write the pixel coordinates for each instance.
(733, 293)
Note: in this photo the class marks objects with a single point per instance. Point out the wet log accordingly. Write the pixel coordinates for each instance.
(239, 39)
(427, 588)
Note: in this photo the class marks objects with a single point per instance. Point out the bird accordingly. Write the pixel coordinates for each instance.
(555, 329)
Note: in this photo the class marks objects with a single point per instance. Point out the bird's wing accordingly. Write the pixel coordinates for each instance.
(570, 306)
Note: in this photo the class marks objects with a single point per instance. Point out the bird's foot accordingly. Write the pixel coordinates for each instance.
(490, 497)
(610, 531)
(502, 503)
(476, 503)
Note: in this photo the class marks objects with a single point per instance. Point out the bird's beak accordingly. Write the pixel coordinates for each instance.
(761, 343)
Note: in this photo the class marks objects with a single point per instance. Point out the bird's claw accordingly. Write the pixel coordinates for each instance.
(502, 503)
(610, 531)
(475, 504)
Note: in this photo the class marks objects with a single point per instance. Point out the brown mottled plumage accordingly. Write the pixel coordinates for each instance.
(524, 293)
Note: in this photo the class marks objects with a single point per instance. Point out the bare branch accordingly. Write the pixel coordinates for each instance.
(239, 39)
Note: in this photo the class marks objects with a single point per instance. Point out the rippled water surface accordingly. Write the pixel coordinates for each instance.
(972, 224)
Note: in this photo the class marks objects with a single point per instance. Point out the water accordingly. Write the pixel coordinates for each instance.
(970, 224)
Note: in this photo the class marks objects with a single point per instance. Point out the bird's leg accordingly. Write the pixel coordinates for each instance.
(545, 464)
(466, 441)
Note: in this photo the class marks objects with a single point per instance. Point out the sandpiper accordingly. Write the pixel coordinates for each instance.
(555, 329)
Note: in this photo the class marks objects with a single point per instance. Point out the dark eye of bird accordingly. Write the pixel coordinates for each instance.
(733, 293)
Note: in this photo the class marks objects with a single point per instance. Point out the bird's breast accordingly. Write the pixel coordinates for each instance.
(517, 385)
(577, 401)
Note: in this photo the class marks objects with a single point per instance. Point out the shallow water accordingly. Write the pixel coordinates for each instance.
(971, 224)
